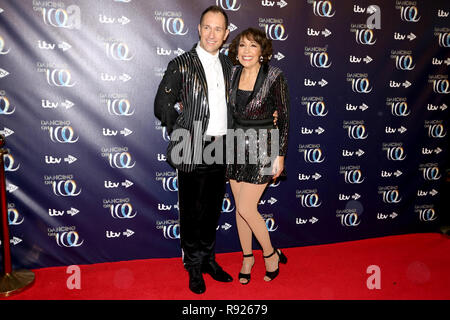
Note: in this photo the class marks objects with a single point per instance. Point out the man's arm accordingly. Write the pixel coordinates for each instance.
(167, 96)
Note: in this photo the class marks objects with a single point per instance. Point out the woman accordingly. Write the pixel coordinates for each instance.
(257, 90)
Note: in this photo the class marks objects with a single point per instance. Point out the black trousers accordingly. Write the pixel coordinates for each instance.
(200, 197)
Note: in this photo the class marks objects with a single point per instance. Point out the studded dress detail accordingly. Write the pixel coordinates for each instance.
(252, 112)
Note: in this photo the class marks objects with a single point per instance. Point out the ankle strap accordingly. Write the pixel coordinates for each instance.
(248, 255)
(274, 251)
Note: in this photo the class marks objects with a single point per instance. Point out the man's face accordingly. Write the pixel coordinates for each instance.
(212, 31)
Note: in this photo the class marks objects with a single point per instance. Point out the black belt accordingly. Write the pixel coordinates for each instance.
(258, 123)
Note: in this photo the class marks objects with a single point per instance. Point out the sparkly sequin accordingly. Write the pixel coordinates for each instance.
(271, 93)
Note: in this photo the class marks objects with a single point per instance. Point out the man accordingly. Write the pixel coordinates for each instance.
(199, 81)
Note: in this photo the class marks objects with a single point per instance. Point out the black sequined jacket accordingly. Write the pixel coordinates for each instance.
(270, 93)
(185, 81)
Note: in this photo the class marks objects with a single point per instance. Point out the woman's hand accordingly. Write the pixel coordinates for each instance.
(278, 166)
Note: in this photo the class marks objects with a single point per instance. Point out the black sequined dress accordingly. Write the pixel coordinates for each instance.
(252, 112)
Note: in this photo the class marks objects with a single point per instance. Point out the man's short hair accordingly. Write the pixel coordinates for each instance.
(215, 9)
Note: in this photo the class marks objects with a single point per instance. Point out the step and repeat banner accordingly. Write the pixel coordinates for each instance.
(87, 177)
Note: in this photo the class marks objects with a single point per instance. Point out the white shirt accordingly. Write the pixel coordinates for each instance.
(217, 124)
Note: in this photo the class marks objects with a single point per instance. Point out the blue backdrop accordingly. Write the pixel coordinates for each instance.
(87, 178)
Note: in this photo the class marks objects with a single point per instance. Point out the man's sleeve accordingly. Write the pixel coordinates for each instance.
(167, 96)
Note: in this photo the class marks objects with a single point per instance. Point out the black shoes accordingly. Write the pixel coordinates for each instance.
(196, 282)
(216, 272)
(245, 276)
(282, 259)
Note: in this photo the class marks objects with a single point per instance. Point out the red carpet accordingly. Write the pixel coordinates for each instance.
(413, 266)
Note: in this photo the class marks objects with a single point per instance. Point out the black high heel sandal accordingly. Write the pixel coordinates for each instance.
(282, 259)
(245, 276)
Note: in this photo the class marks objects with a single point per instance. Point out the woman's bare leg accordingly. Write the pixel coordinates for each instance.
(244, 232)
(248, 195)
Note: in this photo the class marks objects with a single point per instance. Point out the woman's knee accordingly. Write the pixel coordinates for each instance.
(246, 212)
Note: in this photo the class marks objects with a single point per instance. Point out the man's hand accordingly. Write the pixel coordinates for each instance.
(178, 106)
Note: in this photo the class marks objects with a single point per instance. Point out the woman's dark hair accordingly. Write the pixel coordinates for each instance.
(251, 34)
(215, 9)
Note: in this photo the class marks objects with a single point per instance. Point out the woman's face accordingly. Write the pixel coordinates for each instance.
(249, 52)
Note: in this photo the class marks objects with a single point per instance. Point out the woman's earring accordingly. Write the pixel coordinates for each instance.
(261, 59)
(237, 58)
